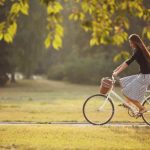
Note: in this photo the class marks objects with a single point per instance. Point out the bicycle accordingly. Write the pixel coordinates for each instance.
(99, 109)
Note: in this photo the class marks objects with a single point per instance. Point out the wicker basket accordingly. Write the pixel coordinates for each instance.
(106, 85)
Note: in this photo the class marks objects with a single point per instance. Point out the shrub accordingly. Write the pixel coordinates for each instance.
(56, 72)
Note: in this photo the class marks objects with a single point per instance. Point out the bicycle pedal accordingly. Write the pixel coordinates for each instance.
(123, 105)
(138, 115)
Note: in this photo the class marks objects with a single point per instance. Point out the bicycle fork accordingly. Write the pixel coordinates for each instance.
(104, 103)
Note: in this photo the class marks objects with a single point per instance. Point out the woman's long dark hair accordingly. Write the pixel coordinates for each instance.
(140, 45)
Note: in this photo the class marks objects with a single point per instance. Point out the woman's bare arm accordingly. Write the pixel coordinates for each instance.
(119, 69)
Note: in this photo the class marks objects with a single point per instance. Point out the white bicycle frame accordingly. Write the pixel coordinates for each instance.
(111, 92)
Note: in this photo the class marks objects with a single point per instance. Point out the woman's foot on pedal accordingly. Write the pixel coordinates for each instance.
(139, 114)
(143, 111)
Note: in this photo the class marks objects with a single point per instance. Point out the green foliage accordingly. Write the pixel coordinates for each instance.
(57, 40)
(8, 28)
(27, 47)
(87, 70)
(121, 55)
(106, 20)
(119, 38)
(54, 24)
(56, 72)
(48, 41)
(146, 17)
(146, 32)
(83, 70)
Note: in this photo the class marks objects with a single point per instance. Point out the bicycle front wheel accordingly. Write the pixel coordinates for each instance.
(146, 115)
(98, 109)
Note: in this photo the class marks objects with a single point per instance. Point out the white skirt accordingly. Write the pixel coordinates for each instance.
(135, 86)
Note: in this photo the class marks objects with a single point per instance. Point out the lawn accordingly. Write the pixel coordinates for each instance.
(64, 137)
(48, 101)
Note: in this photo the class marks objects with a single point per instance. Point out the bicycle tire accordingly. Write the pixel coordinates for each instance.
(146, 113)
(111, 107)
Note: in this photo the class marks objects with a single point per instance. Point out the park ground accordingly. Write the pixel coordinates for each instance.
(45, 101)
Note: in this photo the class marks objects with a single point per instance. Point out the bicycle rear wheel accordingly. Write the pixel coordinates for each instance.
(146, 115)
(98, 109)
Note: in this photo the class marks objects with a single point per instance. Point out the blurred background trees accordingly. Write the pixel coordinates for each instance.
(72, 40)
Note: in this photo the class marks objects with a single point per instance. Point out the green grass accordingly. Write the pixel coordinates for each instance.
(43, 100)
(56, 137)
(48, 101)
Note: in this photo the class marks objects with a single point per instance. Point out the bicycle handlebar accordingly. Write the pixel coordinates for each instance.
(113, 79)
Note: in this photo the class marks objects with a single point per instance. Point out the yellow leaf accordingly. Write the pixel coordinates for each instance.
(71, 16)
(57, 7)
(12, 29)
(93, 42)
(2, 25)
(57, 42)
(47, 41)
(59, 30)
(148, 35)
(50, 9)
(117, 57)
(85, 6)
(24, 7)
(15, 8)
(8, 38)
(1, 36)
(82, 16)
(76, 17)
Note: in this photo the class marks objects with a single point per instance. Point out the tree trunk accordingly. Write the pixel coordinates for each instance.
(13, 80)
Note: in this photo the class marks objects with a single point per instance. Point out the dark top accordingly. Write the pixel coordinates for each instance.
(141, 60)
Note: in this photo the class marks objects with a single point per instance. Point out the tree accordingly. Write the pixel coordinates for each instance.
(28, 44)
(4, 63)
(106, 20)
(21, 52)
(55, 31)
(4, 53)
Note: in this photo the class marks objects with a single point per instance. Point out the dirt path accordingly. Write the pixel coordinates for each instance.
(76, 124)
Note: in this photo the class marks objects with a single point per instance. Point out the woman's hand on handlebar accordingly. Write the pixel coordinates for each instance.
(115, 73)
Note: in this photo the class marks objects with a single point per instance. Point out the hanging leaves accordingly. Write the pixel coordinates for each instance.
(47, 41)
(121, 55)
(106, 20)
(8, 28)
(54, 24)
(15, 8)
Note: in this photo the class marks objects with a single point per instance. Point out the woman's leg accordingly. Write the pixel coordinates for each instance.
(131, 88)
(136, 103)
(129, 101)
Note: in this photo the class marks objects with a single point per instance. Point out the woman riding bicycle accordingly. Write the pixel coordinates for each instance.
(135, 86)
